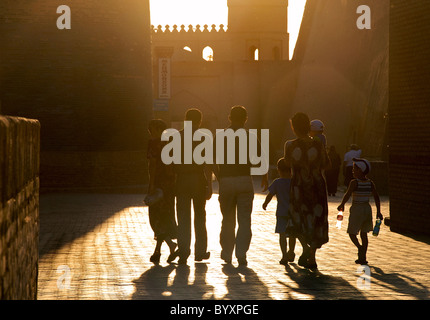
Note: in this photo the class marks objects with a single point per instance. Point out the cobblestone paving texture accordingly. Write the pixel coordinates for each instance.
(97, 246)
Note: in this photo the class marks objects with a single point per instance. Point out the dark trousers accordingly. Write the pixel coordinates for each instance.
(191, 187)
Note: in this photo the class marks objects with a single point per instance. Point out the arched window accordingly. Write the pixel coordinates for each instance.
(187, 48)
(253, 53)
(208, 54)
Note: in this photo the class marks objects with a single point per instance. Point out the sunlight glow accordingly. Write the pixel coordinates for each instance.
(256, 55)
(208, 54)
(295, 15)
(186, 12)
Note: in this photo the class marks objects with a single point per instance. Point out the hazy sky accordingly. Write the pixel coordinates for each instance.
(213, 12)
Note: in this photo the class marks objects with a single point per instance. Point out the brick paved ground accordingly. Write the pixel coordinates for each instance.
(97, 246)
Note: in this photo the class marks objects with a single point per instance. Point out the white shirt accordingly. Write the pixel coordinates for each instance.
(350, 155)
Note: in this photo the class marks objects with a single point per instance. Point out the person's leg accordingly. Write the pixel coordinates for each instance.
(364, 245)
(354, 224)
(306, 251)
(312, 260)
(245, 199)
(283, 246)
(158, 245)
(169, 207)
(359, 246)
(171, 244)
(183, 211)
(200, 231)
(227, 201)
(364, 240)
(291, 247)
(155, 258)
(355, 241)
(154, 220)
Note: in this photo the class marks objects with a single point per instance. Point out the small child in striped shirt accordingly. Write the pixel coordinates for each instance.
(360, 218)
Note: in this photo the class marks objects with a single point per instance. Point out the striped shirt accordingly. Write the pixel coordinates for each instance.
(363, 192)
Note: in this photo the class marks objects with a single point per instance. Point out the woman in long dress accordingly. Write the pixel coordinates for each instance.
(162, 213)
(308, 209)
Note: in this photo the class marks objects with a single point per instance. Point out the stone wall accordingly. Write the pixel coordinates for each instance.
(19, 207)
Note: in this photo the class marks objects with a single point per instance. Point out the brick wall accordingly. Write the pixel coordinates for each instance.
(379, 175)
(409, 116)
(19, 207)
(90, 87)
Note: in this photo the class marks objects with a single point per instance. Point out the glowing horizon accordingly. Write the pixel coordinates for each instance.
(194, 12)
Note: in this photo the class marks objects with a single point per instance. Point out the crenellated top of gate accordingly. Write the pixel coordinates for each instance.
(190, 30)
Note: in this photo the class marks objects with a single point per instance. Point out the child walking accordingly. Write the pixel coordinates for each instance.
(281, 188)
(360, 218)
(161, 187)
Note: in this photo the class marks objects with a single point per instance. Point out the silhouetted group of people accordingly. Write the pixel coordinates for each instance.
(307, 175)
(192, 183)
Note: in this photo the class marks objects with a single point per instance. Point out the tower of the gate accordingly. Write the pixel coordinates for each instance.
(259, 25)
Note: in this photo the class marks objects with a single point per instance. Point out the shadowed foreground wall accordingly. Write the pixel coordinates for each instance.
(90, 87)
(19, 207)
(409, 116)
